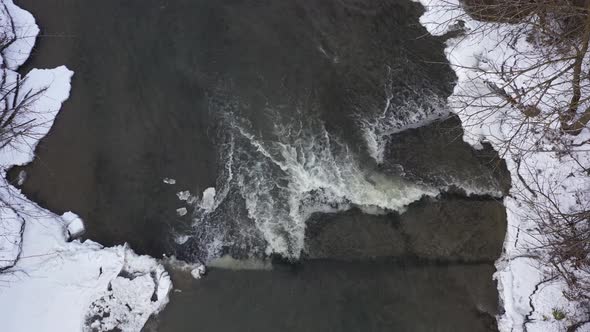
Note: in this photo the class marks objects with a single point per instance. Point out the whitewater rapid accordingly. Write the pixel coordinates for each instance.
(284, 175)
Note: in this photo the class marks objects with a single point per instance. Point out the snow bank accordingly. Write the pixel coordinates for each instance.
(530, 293)
(40, 115)
(24, 34)
(48, 283)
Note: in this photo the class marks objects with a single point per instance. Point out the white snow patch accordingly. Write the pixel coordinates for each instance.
(64, 284)
(26, 31)
(56, 83)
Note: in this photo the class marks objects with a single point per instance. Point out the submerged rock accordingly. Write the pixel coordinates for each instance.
(451, 230)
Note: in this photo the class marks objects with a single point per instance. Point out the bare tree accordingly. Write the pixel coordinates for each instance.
(540, 87)
(17, 123)
(549, 79)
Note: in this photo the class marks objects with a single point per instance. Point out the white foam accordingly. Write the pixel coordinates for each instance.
(304, 170)
(181, 211)
(181, 239)
(230, 263)
(197, 270)
(379, 124)
(208, 200)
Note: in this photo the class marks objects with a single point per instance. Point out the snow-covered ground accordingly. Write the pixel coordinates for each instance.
(48, 281)
(531, 292)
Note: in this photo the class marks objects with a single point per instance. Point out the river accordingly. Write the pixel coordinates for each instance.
(287, 123)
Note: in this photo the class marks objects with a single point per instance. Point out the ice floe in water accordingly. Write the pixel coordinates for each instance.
(169, 181)
(183, 195)
(22, 177)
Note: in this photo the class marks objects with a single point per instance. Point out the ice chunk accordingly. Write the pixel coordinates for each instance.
(22, 177)
(183, 195)
(181, 211)
(75, 225)
(169, 181)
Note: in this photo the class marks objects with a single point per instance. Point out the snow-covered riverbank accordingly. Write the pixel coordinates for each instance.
(531, 292)
(49, 282)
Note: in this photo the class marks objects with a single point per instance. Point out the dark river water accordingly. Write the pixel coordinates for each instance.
(282, 122)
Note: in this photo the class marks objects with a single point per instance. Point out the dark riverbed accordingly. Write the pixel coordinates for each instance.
(334, 296)
(217, 94)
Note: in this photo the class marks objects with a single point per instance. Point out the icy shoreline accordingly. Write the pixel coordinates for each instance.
(530, 293)
(48, 281)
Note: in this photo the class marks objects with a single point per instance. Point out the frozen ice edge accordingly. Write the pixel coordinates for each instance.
(58, 285)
